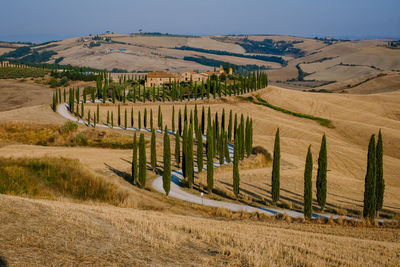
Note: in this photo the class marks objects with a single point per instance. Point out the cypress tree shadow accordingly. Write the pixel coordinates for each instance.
(126, 176)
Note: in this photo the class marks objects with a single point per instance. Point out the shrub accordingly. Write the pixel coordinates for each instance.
(80, 139)
(68, 127)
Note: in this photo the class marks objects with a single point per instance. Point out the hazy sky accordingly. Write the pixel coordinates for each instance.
(43, 20)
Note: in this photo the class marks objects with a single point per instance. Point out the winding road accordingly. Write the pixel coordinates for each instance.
(177, 192)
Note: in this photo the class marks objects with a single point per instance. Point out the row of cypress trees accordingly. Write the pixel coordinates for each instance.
(133, 91)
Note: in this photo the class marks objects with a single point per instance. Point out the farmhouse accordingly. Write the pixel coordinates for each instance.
(158, 79)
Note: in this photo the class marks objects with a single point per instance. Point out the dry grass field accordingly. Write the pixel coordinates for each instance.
(147, 228)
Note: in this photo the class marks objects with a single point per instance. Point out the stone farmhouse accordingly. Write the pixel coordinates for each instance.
(158, 79)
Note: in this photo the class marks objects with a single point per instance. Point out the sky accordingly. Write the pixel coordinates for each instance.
(45, 20)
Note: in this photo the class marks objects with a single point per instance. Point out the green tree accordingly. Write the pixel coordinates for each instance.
(112, 119)
(202, 120)
(199, 151)
(98, 113)
(142, 161)
(119, 115)
(153, 150)
(308, 185)
(145, 118)
(151, 119)
(189, 157)
(108, 117)
(380, 182)
(126, 119)
(180, 122)
(236, 177)
(210, 163)
(88, 118)
(139, 120)
(321, 174)
(230, 126)
(276, 169)
(134, 161)
(173, 119)
(167, 163)
(370, 182)
(177, 149)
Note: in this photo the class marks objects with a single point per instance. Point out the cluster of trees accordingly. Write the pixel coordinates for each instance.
(13, 71)
(225, 53)
(269, 46)
(374, 182)
(216, 63)
(190, 133)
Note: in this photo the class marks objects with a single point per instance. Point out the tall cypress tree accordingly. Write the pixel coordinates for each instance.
(226, 147)
(142, 161)
(126, 119)
(173, 119)
(236, 177)
(108, 117)
(308, 185)
(370, 182)
(177, 149)
(199, 151)
(134, 161)
(380, 182)
(131, 117)
(221, 147)
(276, 169)
(153, 150)
(321, 175)
(98, 113)
(119, 115)
(202, 120)
(151, 119)
(112, 119)
(230, 126)
(145, 118)
(184, 150)
(88, 118)
(189, 156)
(139, 120)
(210, 163)
(167, 163)
(180, 123)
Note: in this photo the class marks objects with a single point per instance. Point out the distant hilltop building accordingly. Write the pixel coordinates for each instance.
(158, 79)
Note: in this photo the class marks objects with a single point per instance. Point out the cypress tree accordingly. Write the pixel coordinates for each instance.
(142, 161)
(210, 163)
(134, 161)
(151, 119)
(223, 120)
(321, 174)
(184, 150)
(119, 115)
(236, 177)
(82, 110)
(159, 117)
(139, 120)
(161, 122)
(308, 185)
(235, 127)
(177, 149)
(167, 163)
(226, 147)
(202, 120)
(380, 182)
(221, 147)
(145, 118)
(153, 150)
(199, 151)
(230, 126)
(98, 113)
(131, 117)
(108, 117)
(190, 165)
(196, 119)
(276, 169)
(94, 120)
(173, 119)
(112, 119)
(126, 119)
(180, 123)
(88, 118)
(370, 182)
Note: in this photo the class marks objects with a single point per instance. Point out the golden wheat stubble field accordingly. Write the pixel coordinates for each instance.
(97, 233)
(354, 117)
